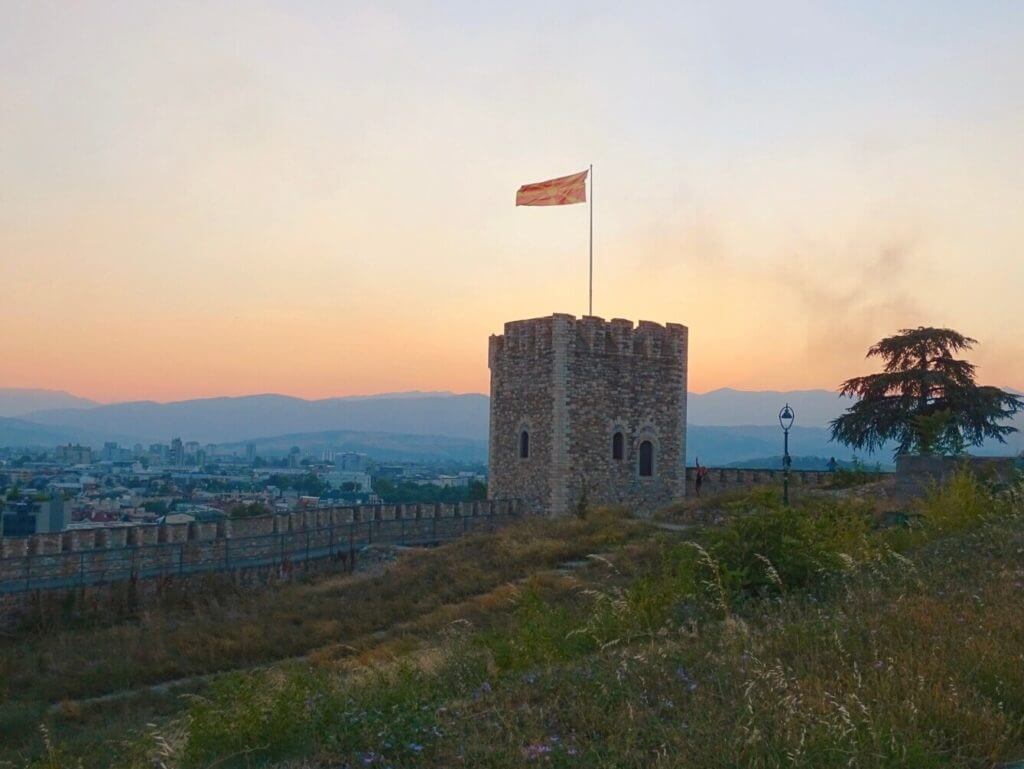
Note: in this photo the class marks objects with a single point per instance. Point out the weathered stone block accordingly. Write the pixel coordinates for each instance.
(139, 536)
(78, 539)
(173, 532)
(13, 547)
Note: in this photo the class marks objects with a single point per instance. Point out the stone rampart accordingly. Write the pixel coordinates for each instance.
(727, 479)
(917, 474)
(88, 560)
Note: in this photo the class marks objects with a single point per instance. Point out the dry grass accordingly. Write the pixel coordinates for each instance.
(884, 661)
(330, 619)
(789, 638)
(901, 666)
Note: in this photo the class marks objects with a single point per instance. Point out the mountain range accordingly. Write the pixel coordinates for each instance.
(725, 425)
(18, 401)
(223, 420)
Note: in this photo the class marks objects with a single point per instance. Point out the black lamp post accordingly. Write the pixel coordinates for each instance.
(786, 417)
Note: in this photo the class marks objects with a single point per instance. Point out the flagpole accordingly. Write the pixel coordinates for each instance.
(591, 175)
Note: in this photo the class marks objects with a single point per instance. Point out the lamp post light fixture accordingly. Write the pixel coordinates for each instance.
(786, 417)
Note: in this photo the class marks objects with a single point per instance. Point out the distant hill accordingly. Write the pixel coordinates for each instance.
(717, 445)
(24, 434)
(724, 425)
(16, 401)
(721, 445)
(387, 447)
(729, 426)
(220, 420)
(733, 408)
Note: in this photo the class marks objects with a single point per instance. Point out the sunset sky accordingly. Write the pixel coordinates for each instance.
(317, 198)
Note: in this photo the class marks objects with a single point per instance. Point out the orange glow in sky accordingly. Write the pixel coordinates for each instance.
(317, 199)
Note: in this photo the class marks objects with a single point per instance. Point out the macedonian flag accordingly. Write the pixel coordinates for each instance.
(554, 192)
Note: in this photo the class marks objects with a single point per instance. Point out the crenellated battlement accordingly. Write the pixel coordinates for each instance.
(116, 537)
(720, 480)
(272, 545)
(589, 334)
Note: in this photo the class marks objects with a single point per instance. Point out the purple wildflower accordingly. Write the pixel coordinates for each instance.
(684, 676)
(536, 750)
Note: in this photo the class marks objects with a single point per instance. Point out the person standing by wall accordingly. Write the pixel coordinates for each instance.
(698, 479)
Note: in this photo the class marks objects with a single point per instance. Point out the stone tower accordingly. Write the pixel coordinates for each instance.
(588, 403)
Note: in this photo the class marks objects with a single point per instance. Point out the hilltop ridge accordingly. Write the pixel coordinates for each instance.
(725, 425)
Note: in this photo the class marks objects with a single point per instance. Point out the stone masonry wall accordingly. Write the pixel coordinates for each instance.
(573, 383)
(101, 561)
(916, 474)
(631, 381)
(522, 364)
(724, 480)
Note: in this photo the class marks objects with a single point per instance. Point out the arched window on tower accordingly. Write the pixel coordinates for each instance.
(617, 445)
(524, 445)
(646, 459)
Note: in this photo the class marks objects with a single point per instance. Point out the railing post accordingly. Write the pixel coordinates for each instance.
(181, 559)
(81, 569)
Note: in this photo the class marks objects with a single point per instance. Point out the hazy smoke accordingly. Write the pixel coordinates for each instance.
(852, 301)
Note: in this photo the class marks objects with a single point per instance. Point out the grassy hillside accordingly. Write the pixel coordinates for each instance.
(810, 636)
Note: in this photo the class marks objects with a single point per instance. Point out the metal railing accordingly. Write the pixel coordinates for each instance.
(282, 550)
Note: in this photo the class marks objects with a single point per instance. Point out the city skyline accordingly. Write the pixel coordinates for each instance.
(317, 200)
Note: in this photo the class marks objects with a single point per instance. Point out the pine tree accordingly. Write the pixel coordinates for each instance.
(925, 400)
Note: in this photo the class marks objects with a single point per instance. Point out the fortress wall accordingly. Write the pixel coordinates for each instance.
(724, 480)
(915, 475)
(143, 560)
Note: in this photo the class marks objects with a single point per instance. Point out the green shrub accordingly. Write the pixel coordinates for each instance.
(963, 501)
(651, 601)
(53, 756)
(255, 719)
(245, 715)
(780, 547)
(855, 475)
(539, 634)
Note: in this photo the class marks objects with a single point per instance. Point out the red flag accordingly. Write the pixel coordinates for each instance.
(554, 192)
